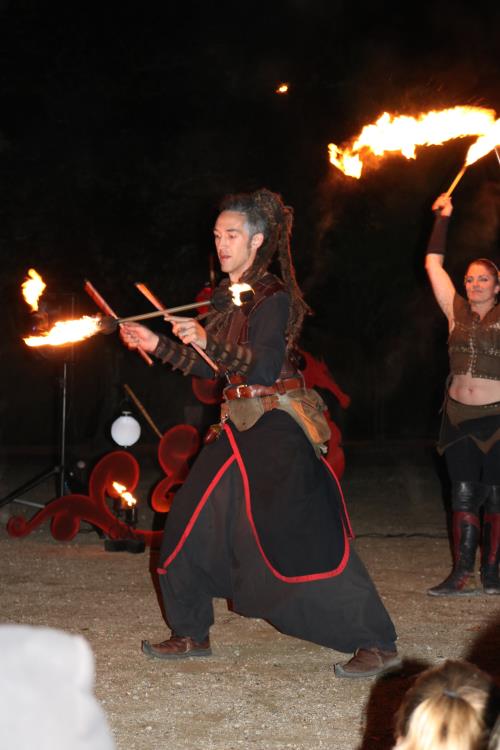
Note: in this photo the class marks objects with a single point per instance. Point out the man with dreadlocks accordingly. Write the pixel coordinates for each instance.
(260, 519)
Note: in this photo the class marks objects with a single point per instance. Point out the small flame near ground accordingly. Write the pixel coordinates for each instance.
(129, 499)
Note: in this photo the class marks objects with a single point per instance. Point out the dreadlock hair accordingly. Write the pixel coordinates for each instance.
(266, 213)
(446, 709)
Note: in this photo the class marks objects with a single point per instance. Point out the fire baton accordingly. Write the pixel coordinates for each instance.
(110, 323)
(156, 302)
(110, 313)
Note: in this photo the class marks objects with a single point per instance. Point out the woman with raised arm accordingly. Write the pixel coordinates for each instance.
(470, 431)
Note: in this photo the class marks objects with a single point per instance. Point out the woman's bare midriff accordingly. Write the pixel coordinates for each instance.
(474, 391)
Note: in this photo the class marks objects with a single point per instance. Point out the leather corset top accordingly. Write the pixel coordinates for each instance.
(474, 344)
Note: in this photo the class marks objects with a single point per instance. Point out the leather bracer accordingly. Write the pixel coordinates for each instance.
(230, 356)
(178, 356)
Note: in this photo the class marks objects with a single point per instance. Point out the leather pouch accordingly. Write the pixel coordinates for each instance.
(243, 412)
(304, 405)
(307, 408)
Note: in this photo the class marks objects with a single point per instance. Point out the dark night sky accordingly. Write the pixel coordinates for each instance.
(121, 129)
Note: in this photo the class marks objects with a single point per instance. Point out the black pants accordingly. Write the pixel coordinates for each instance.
(221, 559)
(467, 463)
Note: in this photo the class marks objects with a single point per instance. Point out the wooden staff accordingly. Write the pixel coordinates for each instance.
(156, 303)
(456, 180)
(164, 311)
(141, 408)
(107, 310)
(149, 295)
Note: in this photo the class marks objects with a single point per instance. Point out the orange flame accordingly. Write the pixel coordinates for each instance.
(402, 134)
(33, 288)
(66, 332)
(282, 88)
(237, 290)
(124, 494)
(484, 145)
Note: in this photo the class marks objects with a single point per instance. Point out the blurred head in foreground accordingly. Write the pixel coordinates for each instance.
(449, 707)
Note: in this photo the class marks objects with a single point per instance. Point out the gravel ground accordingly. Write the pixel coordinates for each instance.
(260, 689)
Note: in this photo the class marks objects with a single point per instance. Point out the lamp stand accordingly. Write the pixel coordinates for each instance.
(59, 470)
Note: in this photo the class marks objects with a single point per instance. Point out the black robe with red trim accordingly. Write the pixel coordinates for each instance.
(291, 499)
(261, 520)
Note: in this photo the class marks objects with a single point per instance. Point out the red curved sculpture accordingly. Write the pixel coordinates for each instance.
(66, 513)
(176, 447)
(317, 374)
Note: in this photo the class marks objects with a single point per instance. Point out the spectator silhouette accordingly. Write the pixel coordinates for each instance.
(46, 684)
(449, 707)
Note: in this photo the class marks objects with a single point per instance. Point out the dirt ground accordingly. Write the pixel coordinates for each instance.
(260, 689)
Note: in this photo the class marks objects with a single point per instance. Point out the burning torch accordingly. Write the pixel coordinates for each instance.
(70, 331)
(402, 134)
(128, 504)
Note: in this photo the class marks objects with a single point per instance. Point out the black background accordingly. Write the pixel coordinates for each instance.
(122, 126)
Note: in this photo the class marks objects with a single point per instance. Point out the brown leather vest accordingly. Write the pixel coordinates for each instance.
(237, 329)
(474, 344)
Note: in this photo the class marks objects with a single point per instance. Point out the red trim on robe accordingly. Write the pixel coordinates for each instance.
(248, 508)
(215, 481)
(246, 488)
(346, 514)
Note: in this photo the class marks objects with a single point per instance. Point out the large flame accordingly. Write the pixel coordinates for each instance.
(402, 134)
(33, 288)
(129, 499)
(484, 145)
(66, 332)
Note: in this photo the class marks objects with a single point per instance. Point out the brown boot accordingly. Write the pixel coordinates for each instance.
(368, 662)
(461, 581)
(177, 647)
(490, 553)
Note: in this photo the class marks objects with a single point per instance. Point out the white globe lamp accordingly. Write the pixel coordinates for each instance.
(125, 430)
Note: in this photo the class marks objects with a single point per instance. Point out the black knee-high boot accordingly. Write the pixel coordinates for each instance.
(466, 500)
(490, 552)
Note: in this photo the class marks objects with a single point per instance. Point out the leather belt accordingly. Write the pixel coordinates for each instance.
(253, 391)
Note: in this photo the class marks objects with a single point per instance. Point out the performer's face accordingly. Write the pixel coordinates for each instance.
(235, 248)
(480, 284)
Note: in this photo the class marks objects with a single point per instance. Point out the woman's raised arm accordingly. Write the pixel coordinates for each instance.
(442, 285)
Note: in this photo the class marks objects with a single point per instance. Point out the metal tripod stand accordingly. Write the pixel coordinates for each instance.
(59, 470)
